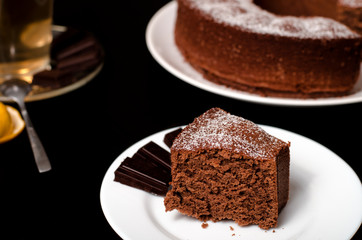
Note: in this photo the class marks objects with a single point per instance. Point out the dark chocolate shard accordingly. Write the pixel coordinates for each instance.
(64, 40)
(157, 154)
(148, 170)
(74, 54)
(170, 137)
(80, 46)
(141, 174)
(78, 59)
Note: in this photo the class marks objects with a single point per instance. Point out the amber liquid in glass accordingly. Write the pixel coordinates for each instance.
(25, 37)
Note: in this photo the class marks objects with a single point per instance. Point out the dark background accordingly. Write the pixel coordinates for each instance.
(132, 97)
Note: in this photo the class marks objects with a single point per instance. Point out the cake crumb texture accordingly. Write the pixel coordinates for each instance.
(226, 167)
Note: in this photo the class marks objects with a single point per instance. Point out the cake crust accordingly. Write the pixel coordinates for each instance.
(226, 167)
(239, 45)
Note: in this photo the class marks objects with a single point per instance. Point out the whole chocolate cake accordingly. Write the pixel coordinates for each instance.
(260, 48)
(226, 167)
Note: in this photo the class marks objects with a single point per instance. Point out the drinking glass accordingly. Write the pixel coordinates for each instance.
(25, 37)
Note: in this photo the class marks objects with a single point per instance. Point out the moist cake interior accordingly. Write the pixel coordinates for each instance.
(219, 186)
(226, 167)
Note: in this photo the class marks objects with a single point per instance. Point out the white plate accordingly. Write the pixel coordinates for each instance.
(324, 203)
(160, 42)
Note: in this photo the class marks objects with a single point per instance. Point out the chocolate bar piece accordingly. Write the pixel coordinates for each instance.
(74, 54)
(148, 170)
(170, 137)
(64, 40)
(83, 44)
(157, 154)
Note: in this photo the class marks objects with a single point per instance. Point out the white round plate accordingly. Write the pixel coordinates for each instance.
(160, 42)
(324, 202)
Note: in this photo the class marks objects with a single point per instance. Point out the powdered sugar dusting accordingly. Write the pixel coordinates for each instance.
(351, 3)
(217, 129)
(246, 15)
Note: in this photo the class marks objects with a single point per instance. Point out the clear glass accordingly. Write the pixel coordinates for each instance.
(25, 37)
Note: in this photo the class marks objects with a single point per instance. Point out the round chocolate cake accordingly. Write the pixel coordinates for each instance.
(262, 47)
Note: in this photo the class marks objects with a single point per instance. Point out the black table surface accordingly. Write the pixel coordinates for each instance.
(132, 97)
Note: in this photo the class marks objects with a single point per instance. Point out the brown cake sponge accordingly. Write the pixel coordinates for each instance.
(226, 167)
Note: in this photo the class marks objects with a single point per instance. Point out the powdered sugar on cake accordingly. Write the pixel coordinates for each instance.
(217, 129)
(246, 15)
(351, 3)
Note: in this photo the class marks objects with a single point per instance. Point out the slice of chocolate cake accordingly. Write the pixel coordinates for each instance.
(226, 167)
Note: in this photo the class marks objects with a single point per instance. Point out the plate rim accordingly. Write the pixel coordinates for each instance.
(228, 92)
(131, 149)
